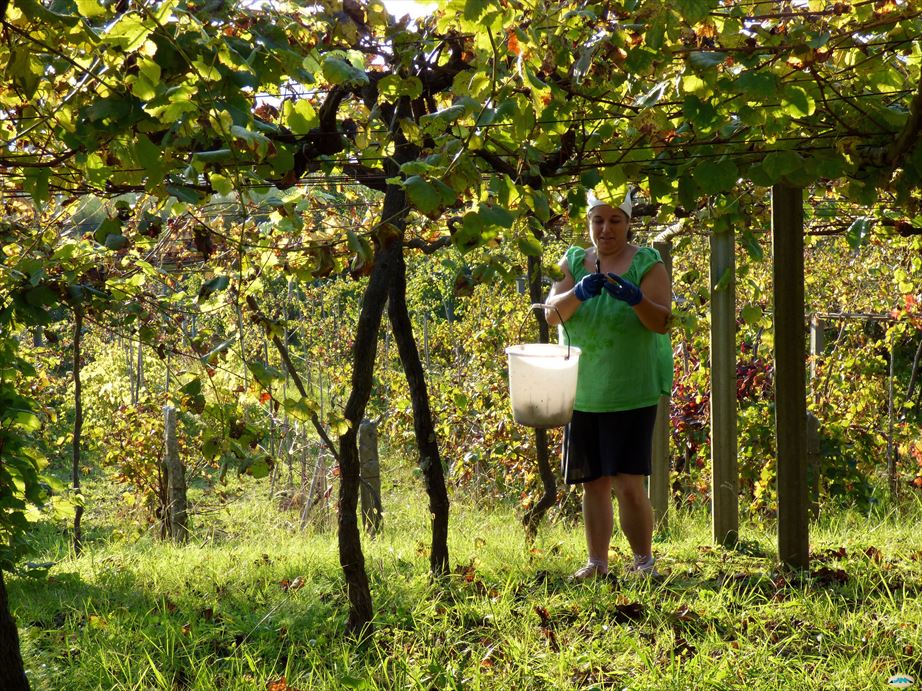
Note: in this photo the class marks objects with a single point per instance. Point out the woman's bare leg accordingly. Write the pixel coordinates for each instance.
(598, 519)
(635, 513)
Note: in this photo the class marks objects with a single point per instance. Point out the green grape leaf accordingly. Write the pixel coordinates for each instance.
(714, 177)
(339, 71)
(858, 232)
(423, 195)
(208, 288)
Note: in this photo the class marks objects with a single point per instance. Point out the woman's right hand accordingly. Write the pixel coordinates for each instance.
(589, 286)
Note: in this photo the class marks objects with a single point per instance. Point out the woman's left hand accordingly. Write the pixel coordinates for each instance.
(623, 289)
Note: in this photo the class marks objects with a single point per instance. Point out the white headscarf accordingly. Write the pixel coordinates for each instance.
(626, 206)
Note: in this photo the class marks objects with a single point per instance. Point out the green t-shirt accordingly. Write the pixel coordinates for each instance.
(623, 365)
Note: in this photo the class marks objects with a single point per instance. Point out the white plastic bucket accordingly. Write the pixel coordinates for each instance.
(542, 383)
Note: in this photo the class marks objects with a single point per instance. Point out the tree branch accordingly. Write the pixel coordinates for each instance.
(373, 178)
(428, 247)
(260, 319)
(907, 139)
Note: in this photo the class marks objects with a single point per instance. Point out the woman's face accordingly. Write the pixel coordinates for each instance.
(608, 227)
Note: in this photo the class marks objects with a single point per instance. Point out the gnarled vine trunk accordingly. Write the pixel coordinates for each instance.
(430, 460)
(534, 515)
(364, 350)
(12, 672)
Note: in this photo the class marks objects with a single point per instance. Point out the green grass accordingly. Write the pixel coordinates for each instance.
(134, 613)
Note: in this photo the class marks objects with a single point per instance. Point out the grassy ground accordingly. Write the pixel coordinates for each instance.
(254, 599)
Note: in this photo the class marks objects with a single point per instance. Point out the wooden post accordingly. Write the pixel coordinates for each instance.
(814, 458)
(817, 344)
(790, 375)
(78, 428)
(426, 340)
(316, 494)
(129, 361)
(892, 478)
(139, 373)
(814, 449)
(370, 474)
(661, 462)
(176, 509)
(724, 467)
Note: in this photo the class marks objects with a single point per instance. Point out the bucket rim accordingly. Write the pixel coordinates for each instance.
(557, 348)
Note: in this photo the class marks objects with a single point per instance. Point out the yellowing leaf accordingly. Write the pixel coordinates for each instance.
(751, 314)
(206, 70)
(222, 185)
(300, 116)
(128, 32)
(143, 88)
(90, 8)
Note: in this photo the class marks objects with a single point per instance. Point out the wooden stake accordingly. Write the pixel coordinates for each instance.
(790, 375)
(724, 467)
(659, 486)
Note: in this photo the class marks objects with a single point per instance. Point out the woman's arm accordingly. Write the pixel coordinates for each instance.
(655, 309)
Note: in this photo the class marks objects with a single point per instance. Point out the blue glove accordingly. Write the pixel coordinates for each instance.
(589, 286)
(623, 289)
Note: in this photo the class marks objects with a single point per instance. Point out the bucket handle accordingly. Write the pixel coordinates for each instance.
(542, 306)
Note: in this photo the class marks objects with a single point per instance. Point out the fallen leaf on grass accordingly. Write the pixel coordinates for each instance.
(97, 622)
(826, 576)
(781, 585)
(279, 684)
(547, 627)
(828, 554)
(873, 554)
(493, 655)
(628, 611)
(683, 648)
(685, 613)
(468, 571)
(290, 586)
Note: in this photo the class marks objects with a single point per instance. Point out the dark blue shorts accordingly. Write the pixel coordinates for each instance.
(599, 444)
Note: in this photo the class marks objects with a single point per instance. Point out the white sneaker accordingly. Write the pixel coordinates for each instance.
(589, 571)
(643, 566)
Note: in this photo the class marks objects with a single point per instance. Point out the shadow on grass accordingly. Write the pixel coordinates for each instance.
(110, 624)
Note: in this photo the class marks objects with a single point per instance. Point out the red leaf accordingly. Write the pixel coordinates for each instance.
(628, 611)
(512, 41)
(279, 684)
(290, 586)
(873, 554)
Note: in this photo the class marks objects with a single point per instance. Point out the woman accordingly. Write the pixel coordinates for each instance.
(615, 298)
